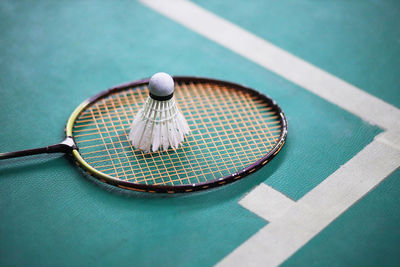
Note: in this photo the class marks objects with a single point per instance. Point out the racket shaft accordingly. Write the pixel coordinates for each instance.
(65, 147)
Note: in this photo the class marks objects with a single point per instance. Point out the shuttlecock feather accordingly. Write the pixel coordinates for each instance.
(159, 124)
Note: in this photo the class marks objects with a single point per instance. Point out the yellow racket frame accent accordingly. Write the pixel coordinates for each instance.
(79, 160)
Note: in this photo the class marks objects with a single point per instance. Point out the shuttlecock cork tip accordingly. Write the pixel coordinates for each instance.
(161, 85)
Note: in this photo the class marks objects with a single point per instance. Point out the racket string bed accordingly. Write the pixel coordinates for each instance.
(229, 130)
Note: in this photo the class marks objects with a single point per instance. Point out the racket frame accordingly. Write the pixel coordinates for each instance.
(176, 188)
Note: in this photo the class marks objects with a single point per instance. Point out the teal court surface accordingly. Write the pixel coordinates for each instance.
(331, 196)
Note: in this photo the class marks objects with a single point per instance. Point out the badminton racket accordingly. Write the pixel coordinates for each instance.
(235, 130)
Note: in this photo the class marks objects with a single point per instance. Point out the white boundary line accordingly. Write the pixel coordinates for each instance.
(266, 202)
(304, 219)
(273, 58)
(293, 224)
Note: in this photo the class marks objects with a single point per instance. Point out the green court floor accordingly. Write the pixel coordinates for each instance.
(55, 54)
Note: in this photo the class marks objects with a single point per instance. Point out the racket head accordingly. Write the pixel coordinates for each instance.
(220, 129)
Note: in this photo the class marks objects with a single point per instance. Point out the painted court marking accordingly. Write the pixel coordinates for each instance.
(305, 218)
(294, 223)
(275, 59)
(267, 202)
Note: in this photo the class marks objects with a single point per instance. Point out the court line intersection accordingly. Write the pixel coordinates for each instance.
(293, 223)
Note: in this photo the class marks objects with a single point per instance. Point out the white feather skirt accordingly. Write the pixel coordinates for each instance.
(158, 126)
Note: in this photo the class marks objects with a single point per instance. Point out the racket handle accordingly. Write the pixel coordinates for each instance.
(65, 146)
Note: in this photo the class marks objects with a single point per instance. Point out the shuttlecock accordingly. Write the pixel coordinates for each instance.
(159, 124)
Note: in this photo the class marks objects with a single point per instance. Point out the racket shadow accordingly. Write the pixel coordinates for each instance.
(34, 165)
